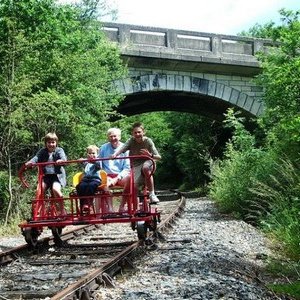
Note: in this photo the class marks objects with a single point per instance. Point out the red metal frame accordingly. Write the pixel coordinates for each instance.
(45, 212)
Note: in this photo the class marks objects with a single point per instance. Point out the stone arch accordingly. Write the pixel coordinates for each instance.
(158, 92)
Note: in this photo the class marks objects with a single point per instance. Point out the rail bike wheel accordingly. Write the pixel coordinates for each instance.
(56, 232)
(153, 224)
(141, 228)
(133, 226)
(31, 236)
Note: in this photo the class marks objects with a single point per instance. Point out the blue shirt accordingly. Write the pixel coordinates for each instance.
(115, 166)
(91, 171)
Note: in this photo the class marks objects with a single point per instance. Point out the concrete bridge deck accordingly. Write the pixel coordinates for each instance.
(187, 50)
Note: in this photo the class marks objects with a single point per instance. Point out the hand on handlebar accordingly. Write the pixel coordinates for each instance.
(29, 165)
(145, 152)
(59, 162)
(91, 160)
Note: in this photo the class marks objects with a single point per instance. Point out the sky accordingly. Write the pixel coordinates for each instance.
(211, 16)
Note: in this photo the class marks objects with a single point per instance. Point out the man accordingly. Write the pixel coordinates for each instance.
(118, 170)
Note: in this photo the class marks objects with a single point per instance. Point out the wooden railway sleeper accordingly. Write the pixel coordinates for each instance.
(85, 294)
(6, 260)
(107, 280)
(157, 235)
(127, 263)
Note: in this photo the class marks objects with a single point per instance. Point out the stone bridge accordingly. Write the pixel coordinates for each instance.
(196, 72)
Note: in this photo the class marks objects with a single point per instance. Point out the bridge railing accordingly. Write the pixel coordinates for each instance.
(188, 43)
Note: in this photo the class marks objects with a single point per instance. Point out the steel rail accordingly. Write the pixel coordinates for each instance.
(12, 254)
(82, 288)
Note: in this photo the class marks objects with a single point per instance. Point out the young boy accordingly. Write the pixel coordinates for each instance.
(54, 176)
(90, 180)
(139, 144)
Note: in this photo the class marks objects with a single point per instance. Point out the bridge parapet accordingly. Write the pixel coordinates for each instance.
(163, 43)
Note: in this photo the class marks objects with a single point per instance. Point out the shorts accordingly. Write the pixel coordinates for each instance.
(49, 179)
(138, 174)
(120, 183)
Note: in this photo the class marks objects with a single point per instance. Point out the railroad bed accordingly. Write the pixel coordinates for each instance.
(92, 255)
(205, 256)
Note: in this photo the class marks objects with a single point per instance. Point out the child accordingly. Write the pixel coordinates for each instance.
(139, 144)
(54, 175)
(90, 180)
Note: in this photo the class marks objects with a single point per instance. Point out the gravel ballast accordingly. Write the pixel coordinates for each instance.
(206, 255)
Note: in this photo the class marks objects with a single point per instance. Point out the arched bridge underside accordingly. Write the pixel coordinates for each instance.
(164, 92)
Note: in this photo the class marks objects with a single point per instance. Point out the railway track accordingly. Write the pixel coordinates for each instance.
(89, 257)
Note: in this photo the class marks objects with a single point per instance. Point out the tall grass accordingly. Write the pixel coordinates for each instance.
(243, 163)
(278, 202)
(11, 228)
(259, 186)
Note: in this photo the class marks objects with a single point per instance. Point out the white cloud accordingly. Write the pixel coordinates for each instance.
(218, 16)
(215, 16)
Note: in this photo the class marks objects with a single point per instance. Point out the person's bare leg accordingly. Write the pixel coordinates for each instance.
(57, 193)
(149, 181)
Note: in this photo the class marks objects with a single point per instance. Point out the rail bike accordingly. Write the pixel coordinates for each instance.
(107, 205)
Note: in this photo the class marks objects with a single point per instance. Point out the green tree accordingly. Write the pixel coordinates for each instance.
(280, 79)
(193, 140)
(262, 183)
(56, 69)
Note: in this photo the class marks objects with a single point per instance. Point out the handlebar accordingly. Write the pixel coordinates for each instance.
(20, 174)
(78, 161)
